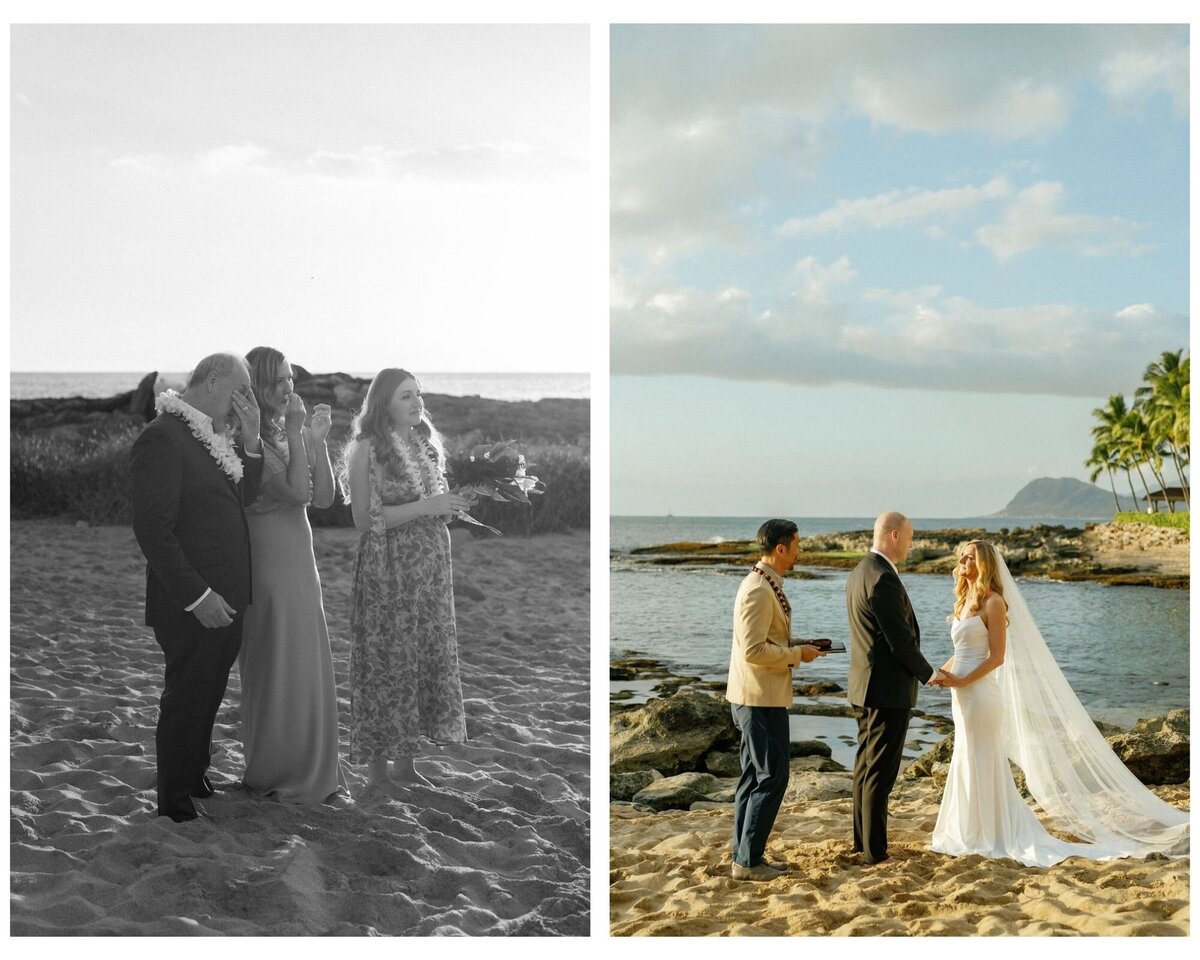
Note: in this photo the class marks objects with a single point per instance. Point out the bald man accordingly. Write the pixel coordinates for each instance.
(189, 488)
(886, 667)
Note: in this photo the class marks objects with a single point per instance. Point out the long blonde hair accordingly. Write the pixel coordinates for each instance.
(987, 580)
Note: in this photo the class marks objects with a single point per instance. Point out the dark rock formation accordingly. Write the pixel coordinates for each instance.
(671, 734)
(676, 793)
(622, 786)
(1156, 751)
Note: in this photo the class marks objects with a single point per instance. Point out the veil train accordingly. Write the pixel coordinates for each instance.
(1069, 768)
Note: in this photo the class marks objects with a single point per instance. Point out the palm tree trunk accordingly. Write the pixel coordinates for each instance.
(1182, 482)
(1137, 506)
(1113, 487)
(1149, 503)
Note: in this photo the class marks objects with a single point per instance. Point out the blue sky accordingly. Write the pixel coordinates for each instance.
(355, 195)
(899, 265)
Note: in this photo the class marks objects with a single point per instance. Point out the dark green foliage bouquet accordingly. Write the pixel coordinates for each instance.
(496, 471)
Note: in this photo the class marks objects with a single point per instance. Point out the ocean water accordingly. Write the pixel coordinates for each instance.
(495, 386)
(1124, 650)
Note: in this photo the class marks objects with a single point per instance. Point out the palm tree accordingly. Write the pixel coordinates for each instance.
(1103, 458)
(1110, 433)
(1166, 401)
(1143, 447)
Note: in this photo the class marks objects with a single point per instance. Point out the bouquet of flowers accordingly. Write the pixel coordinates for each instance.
(496, 471)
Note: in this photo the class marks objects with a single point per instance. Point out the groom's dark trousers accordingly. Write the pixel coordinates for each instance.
(765, 755)
(189, 522)
(886, 666)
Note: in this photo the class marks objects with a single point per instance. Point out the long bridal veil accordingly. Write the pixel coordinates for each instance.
(1069, 768)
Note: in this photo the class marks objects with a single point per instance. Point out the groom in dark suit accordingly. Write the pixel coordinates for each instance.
(189, 488)
(885, 668)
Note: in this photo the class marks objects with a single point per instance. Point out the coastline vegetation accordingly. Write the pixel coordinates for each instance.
(1143, 436)
(1177, 521)
(84, 474)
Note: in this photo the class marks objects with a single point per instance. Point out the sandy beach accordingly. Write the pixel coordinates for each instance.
(670, 877)
(499, 847)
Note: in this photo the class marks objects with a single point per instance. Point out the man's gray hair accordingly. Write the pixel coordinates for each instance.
(219, 363)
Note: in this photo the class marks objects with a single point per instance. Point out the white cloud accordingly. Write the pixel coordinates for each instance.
(491, 162)
(908, 339)
(711, 124)
(1129, 77)
(147, 164)
(897, 208)
(818, 279)
(1035, 218)
(233, 158)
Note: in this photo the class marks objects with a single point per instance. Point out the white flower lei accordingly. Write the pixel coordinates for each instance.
(220, 446)
(423, 473)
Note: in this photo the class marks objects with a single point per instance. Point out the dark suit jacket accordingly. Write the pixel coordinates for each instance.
(189, 521)
(886, 665)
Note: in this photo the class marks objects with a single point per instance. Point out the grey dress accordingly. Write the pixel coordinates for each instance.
(404, 674)
(289, 700)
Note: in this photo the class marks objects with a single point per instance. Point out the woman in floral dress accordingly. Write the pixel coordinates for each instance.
(404, 677)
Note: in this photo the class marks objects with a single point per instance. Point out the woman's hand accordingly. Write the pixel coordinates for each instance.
(446, 504)
(944, 678)
(293, 415)
(322, 420)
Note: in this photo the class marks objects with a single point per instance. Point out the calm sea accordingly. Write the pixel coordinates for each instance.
(1124, 649)
(496, 386)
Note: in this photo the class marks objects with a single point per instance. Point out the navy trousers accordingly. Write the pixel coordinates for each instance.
(766, 740)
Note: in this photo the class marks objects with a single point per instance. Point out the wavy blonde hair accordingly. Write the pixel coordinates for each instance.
(986, 583)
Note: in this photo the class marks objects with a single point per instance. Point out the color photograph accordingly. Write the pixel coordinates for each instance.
(300, 456)
(899, 500)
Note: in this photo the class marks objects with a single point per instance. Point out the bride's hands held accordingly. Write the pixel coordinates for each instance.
(944, 678)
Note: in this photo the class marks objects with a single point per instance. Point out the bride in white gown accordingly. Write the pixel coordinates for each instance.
(1011, 701)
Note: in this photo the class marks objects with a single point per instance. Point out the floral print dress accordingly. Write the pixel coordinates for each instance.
(404, 677)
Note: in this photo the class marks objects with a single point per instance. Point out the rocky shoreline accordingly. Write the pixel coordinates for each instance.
(678, 750)
(1125, 554)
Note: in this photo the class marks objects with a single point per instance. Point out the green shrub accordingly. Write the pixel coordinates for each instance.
(79, 477)
(566, 504)
(86, 477)
(1180, 521)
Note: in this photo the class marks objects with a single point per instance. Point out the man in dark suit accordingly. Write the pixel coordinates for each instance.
(885, 668)
(189, 487)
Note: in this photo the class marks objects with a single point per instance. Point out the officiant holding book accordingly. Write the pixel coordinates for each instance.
(760, 692)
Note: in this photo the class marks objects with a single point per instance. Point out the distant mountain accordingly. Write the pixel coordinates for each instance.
(1063, 497)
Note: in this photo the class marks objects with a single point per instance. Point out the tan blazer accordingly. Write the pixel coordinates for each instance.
(760, 662)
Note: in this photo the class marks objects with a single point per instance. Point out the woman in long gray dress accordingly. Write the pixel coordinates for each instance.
(404, 675)
(289, 701)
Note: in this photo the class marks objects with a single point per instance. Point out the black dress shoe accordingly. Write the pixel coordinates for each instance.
(181, 812)
(205, 789)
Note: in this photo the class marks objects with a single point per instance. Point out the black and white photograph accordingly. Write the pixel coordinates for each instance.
(300, 452)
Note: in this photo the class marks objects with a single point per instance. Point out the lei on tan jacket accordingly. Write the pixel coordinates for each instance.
(760, 661)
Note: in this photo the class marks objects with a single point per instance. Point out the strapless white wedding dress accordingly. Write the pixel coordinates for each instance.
(1025, 710)
(981, 810)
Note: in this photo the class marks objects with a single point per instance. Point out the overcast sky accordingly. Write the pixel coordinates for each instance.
(357, 196)
(910, 259)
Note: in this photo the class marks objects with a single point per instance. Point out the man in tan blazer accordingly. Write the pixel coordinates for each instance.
(759, 694)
